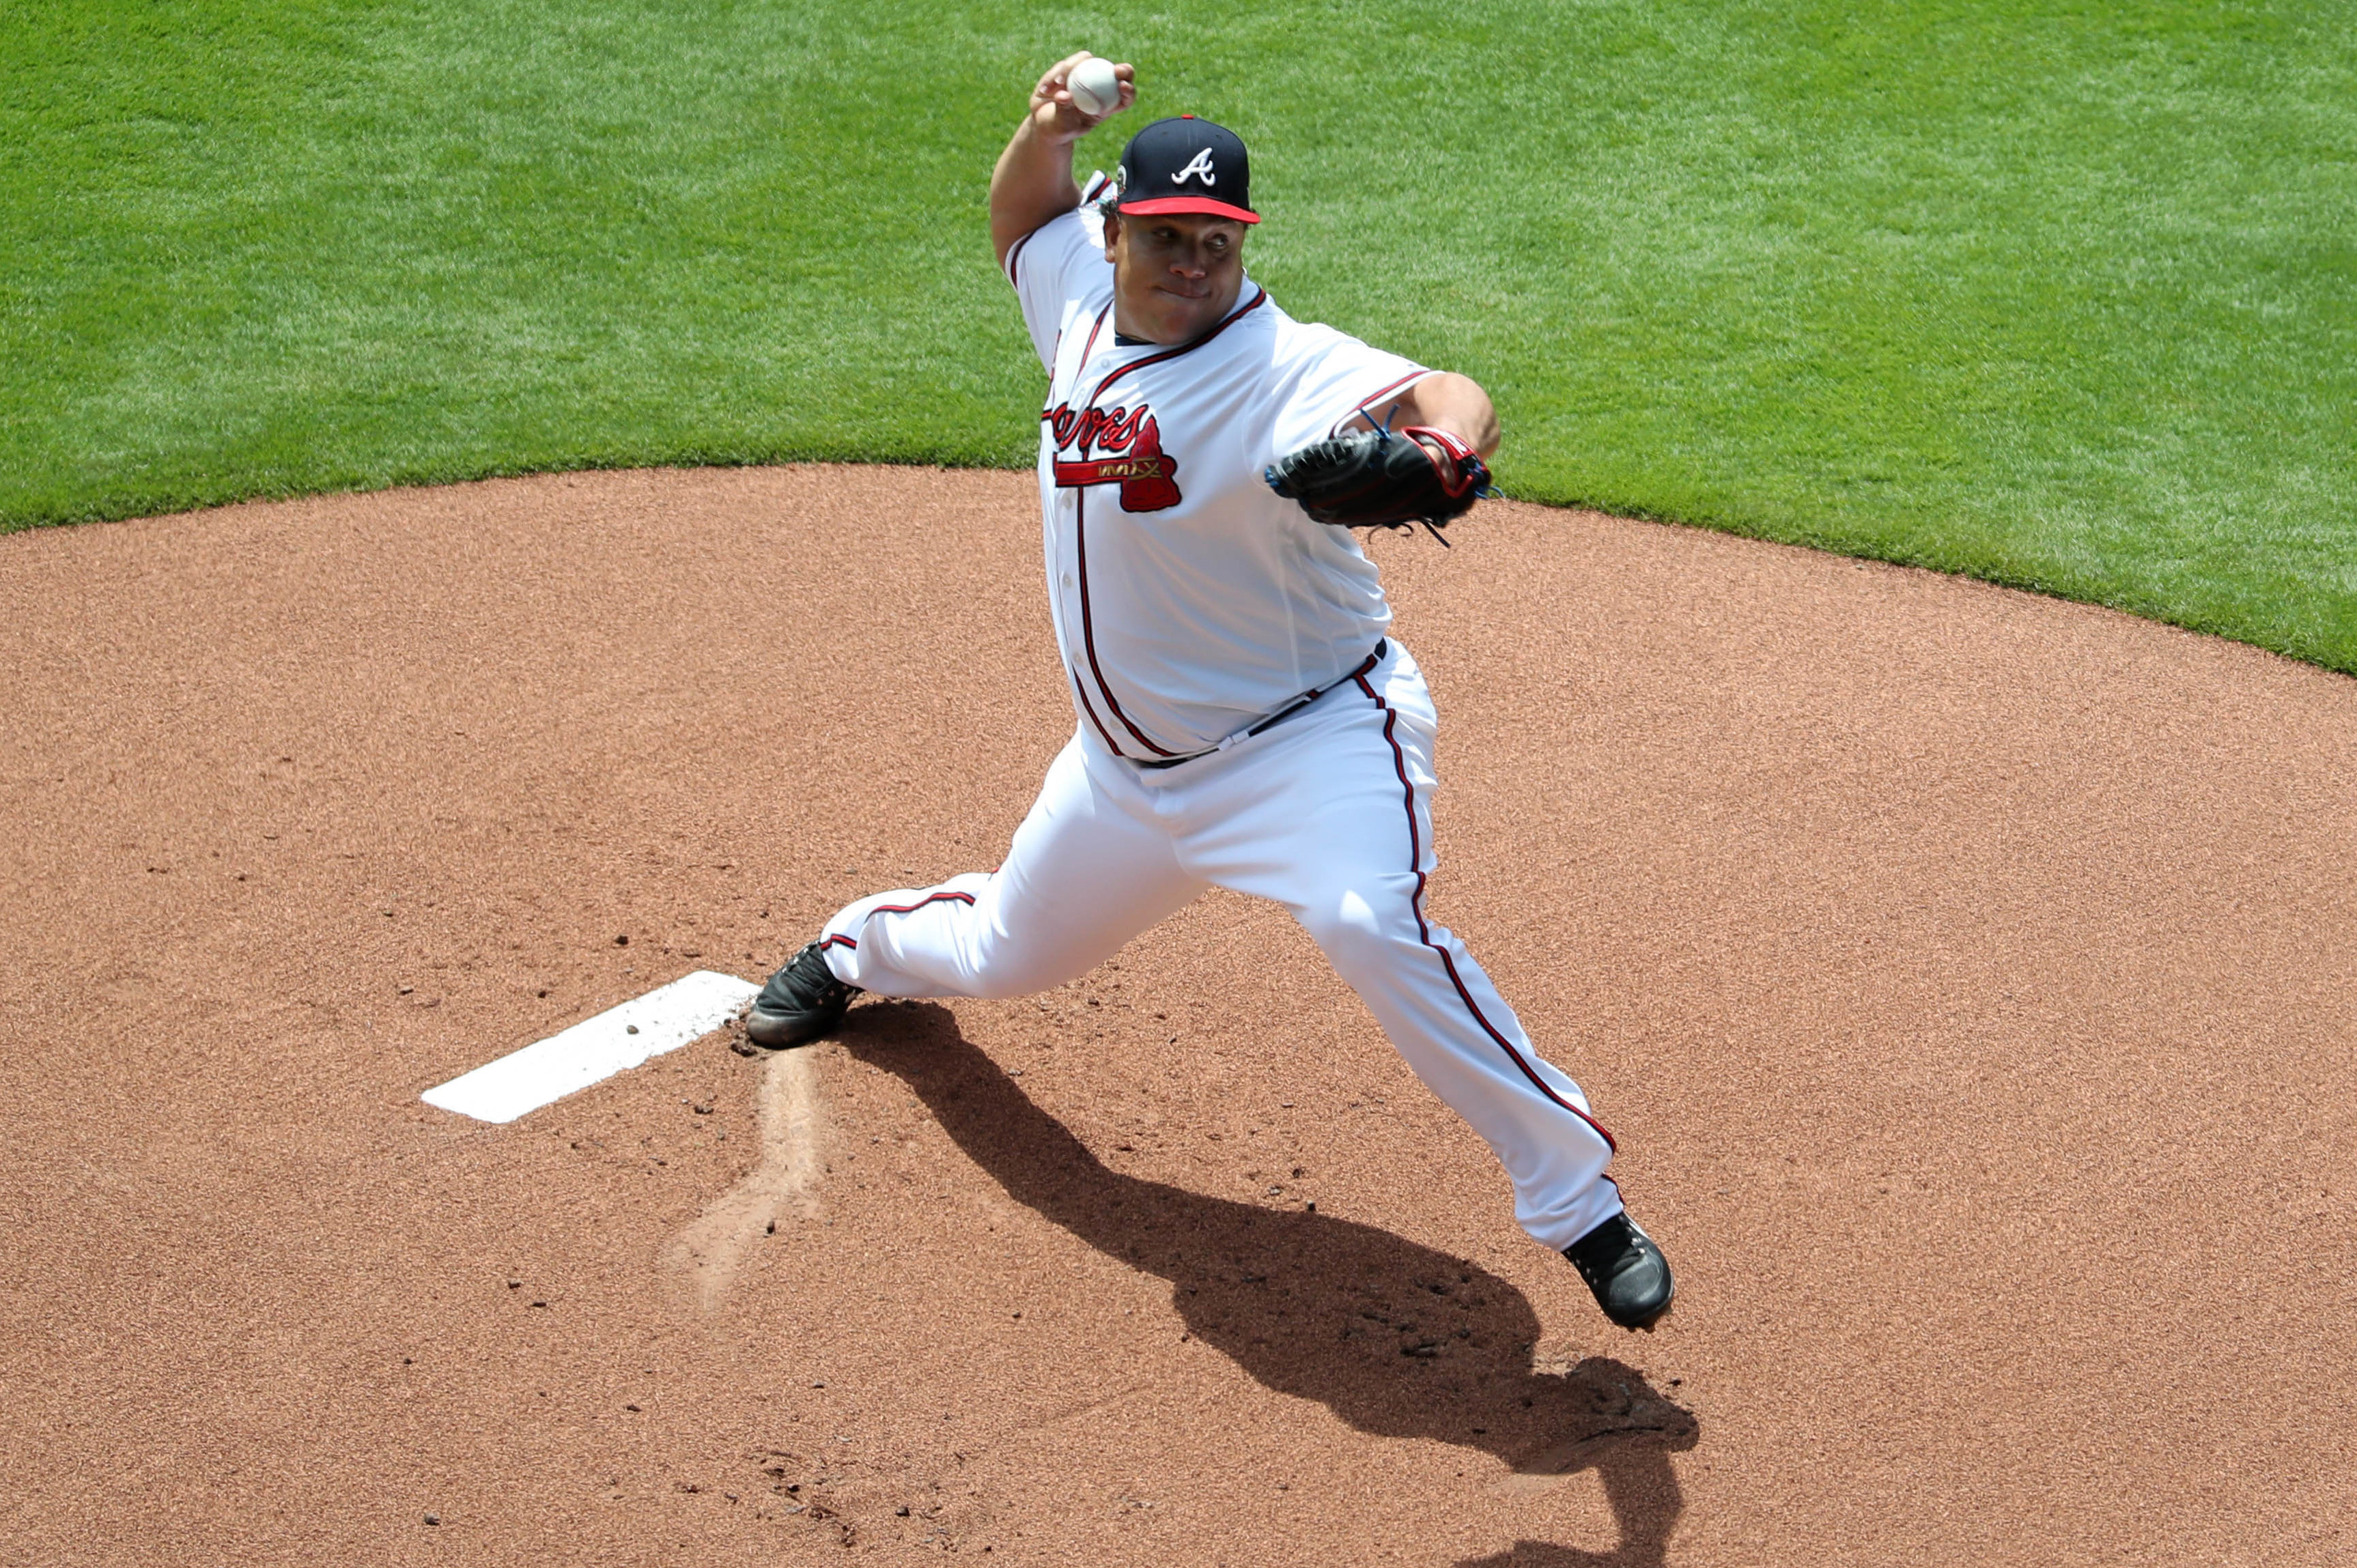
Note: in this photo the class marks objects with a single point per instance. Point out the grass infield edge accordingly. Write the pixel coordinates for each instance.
(1945, 559)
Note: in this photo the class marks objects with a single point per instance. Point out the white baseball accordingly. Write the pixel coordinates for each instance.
(1095, 89)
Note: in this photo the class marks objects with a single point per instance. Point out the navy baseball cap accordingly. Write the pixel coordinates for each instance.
(1185, 165)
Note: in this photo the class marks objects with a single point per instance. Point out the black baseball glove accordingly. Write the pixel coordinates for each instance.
(1384, 479)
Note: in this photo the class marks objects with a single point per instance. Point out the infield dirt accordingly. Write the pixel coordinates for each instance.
(1966, 975)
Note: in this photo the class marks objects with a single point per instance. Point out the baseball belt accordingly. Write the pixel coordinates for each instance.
(1383, 645)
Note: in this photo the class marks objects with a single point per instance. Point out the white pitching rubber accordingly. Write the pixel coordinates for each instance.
(596, 1048)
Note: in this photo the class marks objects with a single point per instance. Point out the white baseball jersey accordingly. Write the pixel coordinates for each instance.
(1189, 600)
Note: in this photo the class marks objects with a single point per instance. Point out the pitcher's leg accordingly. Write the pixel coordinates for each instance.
(1335, 825)
(1464, 1043)
(1082, 876)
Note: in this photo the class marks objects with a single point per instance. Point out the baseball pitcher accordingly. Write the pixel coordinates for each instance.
(1243, 718)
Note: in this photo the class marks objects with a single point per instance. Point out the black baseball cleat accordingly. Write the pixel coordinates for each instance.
(802, 1001)
(1627, 1271)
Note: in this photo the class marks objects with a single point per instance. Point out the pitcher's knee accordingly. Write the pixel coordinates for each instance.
(998, 974)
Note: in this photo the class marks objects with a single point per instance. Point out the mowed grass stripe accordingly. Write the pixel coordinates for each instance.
(2061, 297)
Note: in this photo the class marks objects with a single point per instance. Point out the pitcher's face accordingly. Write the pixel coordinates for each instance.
(1174, 274)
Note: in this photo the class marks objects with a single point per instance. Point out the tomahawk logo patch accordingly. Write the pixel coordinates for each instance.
(1134, 459)
(1203, 166)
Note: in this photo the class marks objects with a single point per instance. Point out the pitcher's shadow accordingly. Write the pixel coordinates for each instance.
(1395, 1338)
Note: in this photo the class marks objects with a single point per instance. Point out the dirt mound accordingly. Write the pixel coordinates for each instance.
(1966, 975)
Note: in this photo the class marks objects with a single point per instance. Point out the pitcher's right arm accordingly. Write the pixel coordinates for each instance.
(1033, 181)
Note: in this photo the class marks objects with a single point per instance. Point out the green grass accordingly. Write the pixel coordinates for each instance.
(2063, 295)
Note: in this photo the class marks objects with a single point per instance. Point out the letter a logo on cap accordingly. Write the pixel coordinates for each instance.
(1203, 166)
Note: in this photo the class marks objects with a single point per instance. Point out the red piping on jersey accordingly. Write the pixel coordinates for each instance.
(840, 940)
(1416, 903)
(1085, 348)
(1015, 255)
(1187, 347)
(1088, 631)
(1089, 708)
(1370, 401)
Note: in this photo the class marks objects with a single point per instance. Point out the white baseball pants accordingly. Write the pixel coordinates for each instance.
(1327, 813)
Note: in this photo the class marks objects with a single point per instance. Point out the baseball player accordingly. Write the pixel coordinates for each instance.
(1243, 718)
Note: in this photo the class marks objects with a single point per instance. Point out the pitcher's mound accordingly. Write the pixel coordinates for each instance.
(1966, 975)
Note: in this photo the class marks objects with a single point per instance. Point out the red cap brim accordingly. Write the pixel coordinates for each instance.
(1190, 204)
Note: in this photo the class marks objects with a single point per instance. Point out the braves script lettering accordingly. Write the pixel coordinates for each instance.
(1134, 459)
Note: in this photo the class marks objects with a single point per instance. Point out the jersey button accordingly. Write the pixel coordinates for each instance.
(1068, 579)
